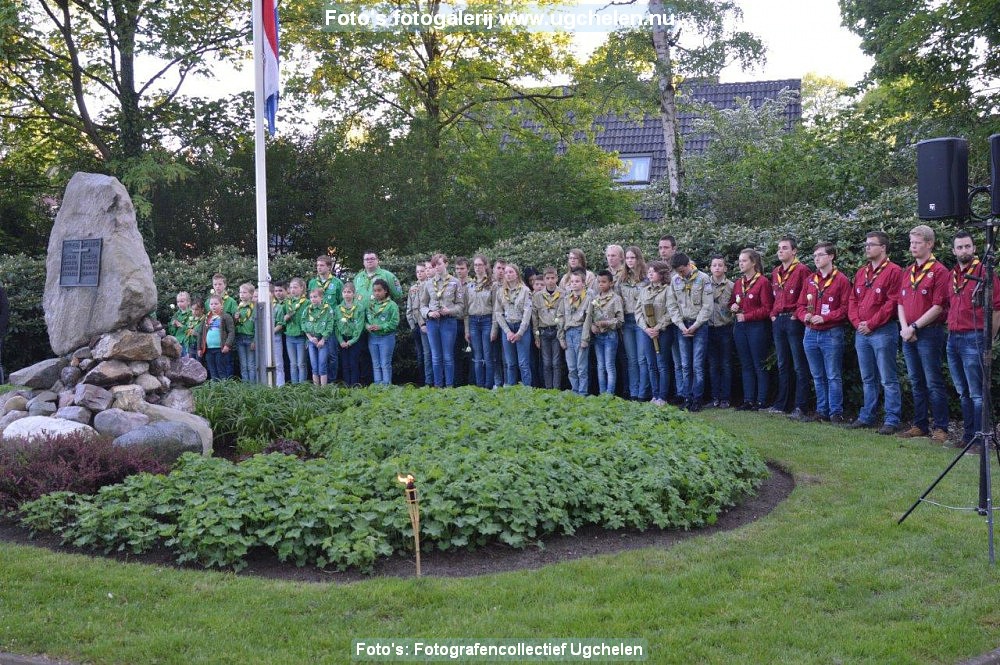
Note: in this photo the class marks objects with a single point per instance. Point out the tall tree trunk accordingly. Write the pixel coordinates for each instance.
(662, 41)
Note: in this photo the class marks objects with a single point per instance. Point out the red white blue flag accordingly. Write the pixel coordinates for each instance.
(270, 21)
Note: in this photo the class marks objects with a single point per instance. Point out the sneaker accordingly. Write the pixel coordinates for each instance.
(821, 418)
(694, 406)
(724, 404)
(859, 424)
(939, 436)
(886, 430)
(912, 433)
(799, 415)
(837, 419)
(775, 409)
(746, 406)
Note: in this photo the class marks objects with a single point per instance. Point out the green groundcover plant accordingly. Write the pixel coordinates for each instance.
(511, 466)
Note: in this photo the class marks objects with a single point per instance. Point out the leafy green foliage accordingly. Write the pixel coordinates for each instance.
(511, 466)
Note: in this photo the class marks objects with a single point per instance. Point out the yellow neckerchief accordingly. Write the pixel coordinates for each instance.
(551, 299)
(870, 276)
(630, 278)
(295, 304)
(440, 285)
(192, 323)
(829, 280)
(575, 300)
(689, 281)
(324, 284)
(313, 312)
(656, 289)
(511, 295)
(223, 295)
(245, 308)
(749, 285)
(601, 300)
(781, 274)
(346, 313)
(916, 279)
(958, 274)
(384, 303)
(481, 284)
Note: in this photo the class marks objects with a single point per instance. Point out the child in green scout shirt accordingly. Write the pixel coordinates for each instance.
(332, 288)
(348, 322)
(382, 320)
(604, 318)
(245, 330)
(229, 303)
(574, 337)
(195, 323)
(178, 326)
(317, 324)
(295, 339)
(278, 295)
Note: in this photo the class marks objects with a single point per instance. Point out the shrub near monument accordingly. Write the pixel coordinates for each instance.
(510, 467)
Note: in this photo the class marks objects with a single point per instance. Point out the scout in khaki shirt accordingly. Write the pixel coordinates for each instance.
(604, 318)
(689, 303)
(652, 319)
(720, 335)
(574, 336)
(546, 315)
(480, 328)
(512, 313)
(442, 304)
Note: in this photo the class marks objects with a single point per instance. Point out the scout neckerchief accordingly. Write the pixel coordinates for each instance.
(244, 312)
(324, 283)
(192, 323)
(511, 295)
(820, 290)
(871, 276)
(689, 281)
(551, 299)
(295, 305)
(601, 301)
(655, 289)
(481, 284)
(630, 278)
(747, 285)
(313, 312)
(347, 312)
(575, 300)
(915, 279)
(781, 274)
(374, 302)
(959, 277)
(718, 292)
(440, 284)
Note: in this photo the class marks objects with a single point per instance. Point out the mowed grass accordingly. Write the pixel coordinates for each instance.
(828, 577)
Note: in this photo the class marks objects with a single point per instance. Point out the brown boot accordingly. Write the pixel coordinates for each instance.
(911, 433)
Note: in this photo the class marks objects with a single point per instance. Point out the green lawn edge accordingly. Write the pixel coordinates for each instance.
(827, 577)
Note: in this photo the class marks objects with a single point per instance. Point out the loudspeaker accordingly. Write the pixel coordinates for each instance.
(942, 178)
(995, 173)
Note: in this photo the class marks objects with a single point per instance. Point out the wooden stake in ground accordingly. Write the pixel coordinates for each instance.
(413, 506)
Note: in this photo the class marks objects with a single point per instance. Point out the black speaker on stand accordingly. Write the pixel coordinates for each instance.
(995, 174)
(943, 178)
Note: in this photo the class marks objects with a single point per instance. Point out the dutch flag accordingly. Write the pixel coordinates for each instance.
(270, 21)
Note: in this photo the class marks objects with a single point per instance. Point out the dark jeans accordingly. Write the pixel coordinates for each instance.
(482, 352)
(517, 356)
(551, 358)
(633, 356)
(498, 363)
(825, 351)
(751, 339)
(418, 352)
(923, 364)
(965, 356)
(425, 343)
(350, 362)
(441, 333)
(220, 365)
(788, 333)
(877, 363)
(720, 361)
(692, 352)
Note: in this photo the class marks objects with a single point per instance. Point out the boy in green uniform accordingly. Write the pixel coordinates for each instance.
(246, 348)
(179, 325)
(229, 303)
(295, 339)
(381, 321)
(348, 324)
(278, 295)
(332, 287)
(317, 324)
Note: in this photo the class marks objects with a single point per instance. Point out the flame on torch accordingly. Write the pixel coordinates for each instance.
(413, 507)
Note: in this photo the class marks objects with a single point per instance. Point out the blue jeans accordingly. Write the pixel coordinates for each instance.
(296, 347)
(788, 334)
(633, 358)
(332, 359)
(419, 350)
(552, 355)
(350, 362)
(480, 326)
(692, 352)
(517, 355)
(923, 364)
(720, 361)
(655, 373)
(965, 360)
(877, 363)
(671, 351)
(606, 348)
(645, 388)
(577, 361)
(319, 357)
(220, 365)
(279, 359)
(381, 347)
(441, 335)
(190, 350)
(425, 358)
(825, 352)
(751, 338)
(248, 358)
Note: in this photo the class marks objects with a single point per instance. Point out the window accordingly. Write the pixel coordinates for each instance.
(634, 170)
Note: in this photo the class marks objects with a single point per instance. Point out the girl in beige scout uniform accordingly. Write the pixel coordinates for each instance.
(512, 313)
(604, 319)
(628, 288)
(651, 317)
(442, 304)
(576, 260)
(480, 328)
(574, 336)
(418, 326)
(546, 314)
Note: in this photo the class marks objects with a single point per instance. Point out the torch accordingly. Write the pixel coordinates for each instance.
(413, 506)
(650, 312)
(809, 303)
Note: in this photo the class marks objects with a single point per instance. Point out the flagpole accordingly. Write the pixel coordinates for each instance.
(265, 319)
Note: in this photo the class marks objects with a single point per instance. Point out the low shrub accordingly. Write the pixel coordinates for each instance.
(73, 462)
(510, 466)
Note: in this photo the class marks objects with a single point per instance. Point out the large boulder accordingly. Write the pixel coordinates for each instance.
(187, 372)
(10, 417)
(75, 413)
(181, 399)
(148, 383)
(109, 373)
(15, 403)
(92, 397)
(97, 206)
(166, 440)
(128, 345)
(40, 375)
(115, 422)
(34, 429)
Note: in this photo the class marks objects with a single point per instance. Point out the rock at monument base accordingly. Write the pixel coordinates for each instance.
(94, 398)
(74, 413)
(138, 367)
(35, 429)
(158, 413)
(40, 375)
(166, 440)
(128, 345)
(10, 417)
(70, 376)
(115, 422)
(42, 409)
(83, 353)
(187, 372)
(43, 396)
(171, 347)
(16, 403)
(65, 399)
(160, 366)
(109, 373)
(148, 383)
(181, 399)
(97, 206)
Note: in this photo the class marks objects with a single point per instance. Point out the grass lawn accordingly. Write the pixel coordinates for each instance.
(828, 577)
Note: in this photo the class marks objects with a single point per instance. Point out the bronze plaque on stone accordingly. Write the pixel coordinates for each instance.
(81, 262)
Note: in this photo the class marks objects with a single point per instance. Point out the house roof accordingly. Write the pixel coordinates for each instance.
(645, 137)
